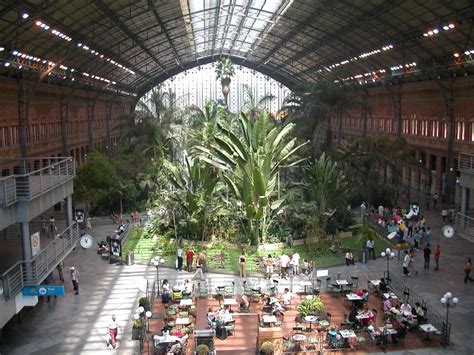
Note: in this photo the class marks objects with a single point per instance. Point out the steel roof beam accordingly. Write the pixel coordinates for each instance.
(113, 16)
(165, 31)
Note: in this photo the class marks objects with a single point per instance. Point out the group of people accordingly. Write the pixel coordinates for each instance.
(289, 265)
(190, 257)
(177, 292)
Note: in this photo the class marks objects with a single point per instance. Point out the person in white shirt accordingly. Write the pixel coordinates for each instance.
(284, 261)
(406, 264)
(349, 258)
(371, 248)
(295, 261)
(405, 308)
(287, 297)
(112, 330)
(75, 279)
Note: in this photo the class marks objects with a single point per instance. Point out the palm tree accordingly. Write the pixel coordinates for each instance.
(326, 186)
(250, 167)
(225, 71)
(311, 105)
(253, 105)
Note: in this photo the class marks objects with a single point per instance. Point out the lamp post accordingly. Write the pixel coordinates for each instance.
(157, 261)
(448, 301)
(148, 315)
(388, 254)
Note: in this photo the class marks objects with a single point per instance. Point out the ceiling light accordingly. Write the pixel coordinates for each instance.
(446, 27)
(466, 52)
(79, 44)
(25, 15)
(436, 31)
(451, 25)
(2, 49)
(7, 64)
(425, 34)
(430, 33)
(39, 23)
(456, 55)
(471, 51)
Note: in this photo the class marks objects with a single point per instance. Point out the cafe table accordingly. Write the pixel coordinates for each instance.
(389, 294)
(269, 319)
(311, 320)
(342, 282)
(182, 321)
(427, 329)
(186, 302)
(306, 284)
(230, 302)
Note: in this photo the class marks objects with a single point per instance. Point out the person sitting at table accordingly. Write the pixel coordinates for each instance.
(387, 304)
(188, 287)
(395, 310)
(389, 325)
(405, 308)
(165, 287)
(420, 314)
(287, 297)
(353, 315)
(383, 287)
(245, 303)
(211, 318)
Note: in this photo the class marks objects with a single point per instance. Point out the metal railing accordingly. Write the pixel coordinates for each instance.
(466, 163)
(464, 224)
(26, 273)
(37, 176)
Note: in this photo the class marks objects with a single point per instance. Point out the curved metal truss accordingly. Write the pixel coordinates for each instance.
(132, 45)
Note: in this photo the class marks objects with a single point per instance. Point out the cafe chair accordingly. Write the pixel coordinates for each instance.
(354, 283)
(230, 327)
(203, 289)
(346, 324)
(247, 289)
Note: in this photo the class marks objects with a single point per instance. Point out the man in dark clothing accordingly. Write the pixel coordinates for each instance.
(427, 254)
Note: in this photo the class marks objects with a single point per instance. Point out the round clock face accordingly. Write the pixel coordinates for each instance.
(86, 241)
(448, 231)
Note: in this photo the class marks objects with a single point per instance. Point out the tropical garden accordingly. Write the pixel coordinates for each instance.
(226, 181)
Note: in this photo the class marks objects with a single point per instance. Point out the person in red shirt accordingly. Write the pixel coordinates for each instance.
(437, 253)
(189, 259)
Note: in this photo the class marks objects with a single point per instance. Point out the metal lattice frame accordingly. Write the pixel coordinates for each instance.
(290, 40)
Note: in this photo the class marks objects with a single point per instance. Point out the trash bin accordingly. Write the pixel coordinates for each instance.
(130, 257)
(363, 256)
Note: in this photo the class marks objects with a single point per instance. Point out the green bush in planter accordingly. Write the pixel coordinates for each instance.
(267, 347)
(143, 302)
(309, 306)
(137, 324)
(202, 349)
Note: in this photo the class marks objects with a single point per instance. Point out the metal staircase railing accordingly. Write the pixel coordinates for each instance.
(27, 273)
(464, 224)
(46, 174)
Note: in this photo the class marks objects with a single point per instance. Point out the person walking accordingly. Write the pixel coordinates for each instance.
(179, 255)
(242, 264)
(189, 259)
(412, 261)
(284, 261)
(200, 266)
(112, 331)
(349, 258)
(427, 255)
(75, 279)
(406, 263)
(428, 236)
(371, 247)
(269, 266)
(295, 261)
(444, 215)
(52, 226)
(60, 268)
(437, 253)
(363, 209)
(467, 270)
(435, 200)
(49, 282)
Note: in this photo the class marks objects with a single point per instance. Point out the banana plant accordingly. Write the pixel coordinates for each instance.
(195, 191)
(250, 164)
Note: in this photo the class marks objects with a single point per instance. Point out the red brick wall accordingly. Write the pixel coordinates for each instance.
(44, 130)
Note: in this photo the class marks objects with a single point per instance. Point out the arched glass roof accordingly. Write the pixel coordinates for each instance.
(131, 45)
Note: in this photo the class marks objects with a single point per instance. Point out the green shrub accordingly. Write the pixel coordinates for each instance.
(143, 302)
(308, 306)
(202, 349)
(137, 324)
(267, 347)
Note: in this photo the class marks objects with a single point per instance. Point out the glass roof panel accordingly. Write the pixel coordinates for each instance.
(233, 24)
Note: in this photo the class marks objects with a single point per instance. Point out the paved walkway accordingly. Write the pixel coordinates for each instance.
(77, 324)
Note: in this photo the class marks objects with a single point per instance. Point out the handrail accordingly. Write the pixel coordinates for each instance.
(33, 272)
(30, 184)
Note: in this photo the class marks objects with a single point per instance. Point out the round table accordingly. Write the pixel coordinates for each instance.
(299, 337)
(311, 320)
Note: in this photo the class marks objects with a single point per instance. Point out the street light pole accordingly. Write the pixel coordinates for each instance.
(157, 261)
(448, 301)
(388, 254)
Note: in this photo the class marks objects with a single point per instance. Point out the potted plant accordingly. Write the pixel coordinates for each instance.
(202, 349)
(137, 327)
(267, 347)
(311, 306)
(143, 302)
(225, 71)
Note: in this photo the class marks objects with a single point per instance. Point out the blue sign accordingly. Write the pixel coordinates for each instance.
(43, 290)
